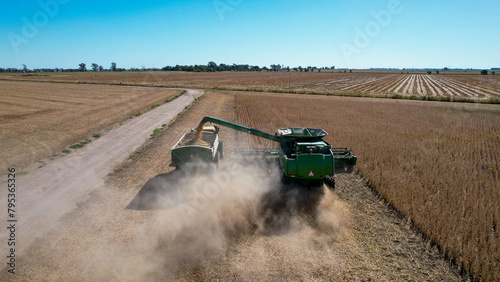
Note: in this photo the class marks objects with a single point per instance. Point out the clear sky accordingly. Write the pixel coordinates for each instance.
(343, 33)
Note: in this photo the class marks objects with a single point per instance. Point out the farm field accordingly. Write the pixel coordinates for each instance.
(452, 85)
(350, 235)
(429, 85)
(38, 120)
(436, 163)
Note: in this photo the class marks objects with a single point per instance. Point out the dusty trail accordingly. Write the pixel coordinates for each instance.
(47, 194)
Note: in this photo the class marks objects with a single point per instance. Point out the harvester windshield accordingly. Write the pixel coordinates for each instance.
(297, 133)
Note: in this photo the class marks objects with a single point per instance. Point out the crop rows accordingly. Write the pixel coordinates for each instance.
(424, 85)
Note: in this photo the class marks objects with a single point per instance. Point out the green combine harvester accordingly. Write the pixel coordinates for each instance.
(302, 154)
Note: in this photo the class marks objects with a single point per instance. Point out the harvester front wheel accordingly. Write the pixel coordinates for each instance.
(221, 149)
(330, 182)
(217, 160)
(285, 179)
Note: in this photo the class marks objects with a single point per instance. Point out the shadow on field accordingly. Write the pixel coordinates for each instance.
(162, 186)
(279, 207)
(276, 209)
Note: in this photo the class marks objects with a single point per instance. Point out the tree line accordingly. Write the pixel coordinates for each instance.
(210, 67)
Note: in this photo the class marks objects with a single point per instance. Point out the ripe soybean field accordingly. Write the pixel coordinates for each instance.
(436, 163)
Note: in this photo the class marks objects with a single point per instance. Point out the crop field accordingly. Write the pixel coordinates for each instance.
(365, 242)
(448, 85)
(429, 85)
(39, 119)
(435, 163)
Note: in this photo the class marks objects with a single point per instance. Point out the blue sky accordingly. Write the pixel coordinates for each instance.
(351, 34)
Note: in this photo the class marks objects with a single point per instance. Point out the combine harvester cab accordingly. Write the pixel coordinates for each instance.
(306, 157)
(191, 153)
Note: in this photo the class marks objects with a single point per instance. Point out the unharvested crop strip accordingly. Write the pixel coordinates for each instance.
(434, 88)
(383, 86)
(449, 90)
(361, 85)
(466, 90)
(402, 84)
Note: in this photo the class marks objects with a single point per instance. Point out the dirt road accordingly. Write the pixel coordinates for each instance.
(46, 194)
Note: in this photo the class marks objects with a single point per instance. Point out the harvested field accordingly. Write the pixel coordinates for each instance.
(436, 163)
(375, 83)
(38, 120)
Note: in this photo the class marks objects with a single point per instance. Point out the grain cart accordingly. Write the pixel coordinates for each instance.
(190, 152)
(302, 153)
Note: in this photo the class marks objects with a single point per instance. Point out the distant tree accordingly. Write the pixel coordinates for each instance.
(223, 67)
(95, 67)
(211, 66)
(445, 69)
(428, 72)
(437, 72)
(101, 68)
(319, 70)
(350, 71)
(275, 67)
(492, 73)
(484, 72)
(25, 68)
(113, 66)
(333, 67)
(83, 67)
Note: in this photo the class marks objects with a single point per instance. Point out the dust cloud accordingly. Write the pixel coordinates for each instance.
(197, 216)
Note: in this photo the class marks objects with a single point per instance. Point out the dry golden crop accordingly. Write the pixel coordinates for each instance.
(436, 163)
